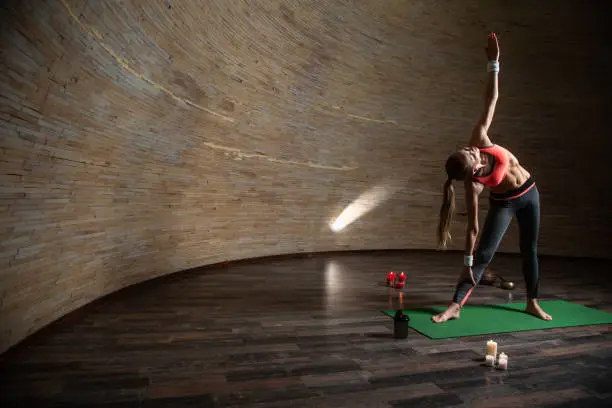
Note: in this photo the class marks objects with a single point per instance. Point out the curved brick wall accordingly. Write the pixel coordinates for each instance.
(140, 138)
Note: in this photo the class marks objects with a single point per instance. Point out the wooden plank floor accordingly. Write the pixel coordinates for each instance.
(307, 332)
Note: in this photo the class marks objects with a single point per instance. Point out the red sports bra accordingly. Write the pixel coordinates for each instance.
(502, 160)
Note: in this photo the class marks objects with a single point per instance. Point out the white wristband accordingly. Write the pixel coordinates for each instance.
(468, 260)
(493, 66)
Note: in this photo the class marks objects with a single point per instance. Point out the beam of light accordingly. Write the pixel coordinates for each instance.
(333, 287)
(365, 203)
(332, 277)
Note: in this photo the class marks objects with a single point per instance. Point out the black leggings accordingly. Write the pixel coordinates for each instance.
(526, 208)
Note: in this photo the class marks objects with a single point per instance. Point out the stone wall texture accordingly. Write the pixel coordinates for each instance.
(144, 137)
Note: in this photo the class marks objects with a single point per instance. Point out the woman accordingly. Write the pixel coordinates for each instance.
(512, 193)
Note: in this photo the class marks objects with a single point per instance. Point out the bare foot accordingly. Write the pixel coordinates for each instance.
(451, 313)
(535, 309)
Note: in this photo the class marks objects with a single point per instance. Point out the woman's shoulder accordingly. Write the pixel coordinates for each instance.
(482, 146)
(494, 148)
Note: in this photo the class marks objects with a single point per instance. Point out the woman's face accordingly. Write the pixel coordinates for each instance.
(471, 157)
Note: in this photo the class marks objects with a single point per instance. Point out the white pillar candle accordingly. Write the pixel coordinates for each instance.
(502, 364)
(491, 348)
(503, 356)
(490, 360)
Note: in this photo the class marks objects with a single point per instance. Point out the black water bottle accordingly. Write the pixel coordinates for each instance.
(400, 325)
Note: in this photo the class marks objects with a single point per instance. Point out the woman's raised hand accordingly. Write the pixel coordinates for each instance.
(492, 49)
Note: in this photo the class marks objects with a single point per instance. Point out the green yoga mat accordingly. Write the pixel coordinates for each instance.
(502, 318)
